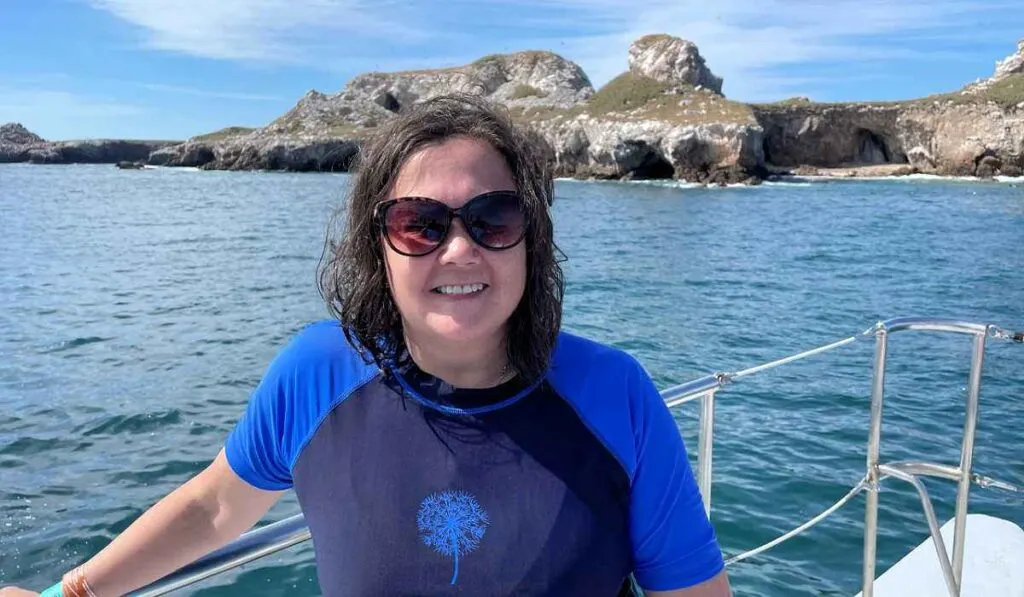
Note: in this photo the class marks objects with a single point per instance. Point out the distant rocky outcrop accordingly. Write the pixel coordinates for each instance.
(673, 61)
(322, 132)
(1005, 69)
(14, 133)
(832, 135)
(18, 144)
(942, 136)
(523, 78)
(665, 117)
(978, 131)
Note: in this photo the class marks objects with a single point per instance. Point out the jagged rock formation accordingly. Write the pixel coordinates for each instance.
(714, 153)
(964, 139)
(665, 117)
(978, 131)
(523, 78)
(14, 133)
(1005, 69)
(939, 137)
(830, 135)
(322, 132)
(651, 122)
(18, 144)
(672, 61)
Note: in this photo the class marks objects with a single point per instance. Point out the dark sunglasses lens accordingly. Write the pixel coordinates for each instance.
(496, 221)
(415, 227)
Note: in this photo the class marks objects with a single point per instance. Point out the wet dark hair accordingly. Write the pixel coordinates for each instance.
(352, 275)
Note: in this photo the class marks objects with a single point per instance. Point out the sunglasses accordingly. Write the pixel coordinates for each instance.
(416, 226)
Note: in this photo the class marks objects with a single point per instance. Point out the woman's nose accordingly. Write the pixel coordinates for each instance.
(459, 247)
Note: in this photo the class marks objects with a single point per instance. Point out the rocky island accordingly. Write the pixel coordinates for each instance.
(18, 144)
(666, 117)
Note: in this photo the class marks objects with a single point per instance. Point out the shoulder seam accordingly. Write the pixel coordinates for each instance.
(337, 401)
(598, 435)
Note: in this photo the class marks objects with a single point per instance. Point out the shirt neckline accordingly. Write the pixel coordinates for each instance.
(435, 393)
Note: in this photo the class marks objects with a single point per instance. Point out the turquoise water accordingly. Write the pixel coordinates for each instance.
(140, 307)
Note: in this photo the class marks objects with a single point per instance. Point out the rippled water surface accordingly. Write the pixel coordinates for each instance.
(139, 308)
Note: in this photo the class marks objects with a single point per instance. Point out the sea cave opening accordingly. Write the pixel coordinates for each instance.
(872, 148)
(649, 164)
(389, 102)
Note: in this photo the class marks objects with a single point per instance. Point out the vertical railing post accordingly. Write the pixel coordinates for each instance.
(966, 456)
(874, 437)
(705, 446)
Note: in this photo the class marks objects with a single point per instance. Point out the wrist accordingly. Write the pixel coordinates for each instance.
(74, 584)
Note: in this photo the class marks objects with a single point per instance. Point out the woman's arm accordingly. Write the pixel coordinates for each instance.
(676, 549)
(207, 512)
(716, 586)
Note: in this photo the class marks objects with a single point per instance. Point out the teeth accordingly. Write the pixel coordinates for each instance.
(464, 289)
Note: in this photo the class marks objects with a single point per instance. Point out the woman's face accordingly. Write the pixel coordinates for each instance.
(461, 292)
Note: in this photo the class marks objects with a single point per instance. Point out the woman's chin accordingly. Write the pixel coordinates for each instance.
(450, 330)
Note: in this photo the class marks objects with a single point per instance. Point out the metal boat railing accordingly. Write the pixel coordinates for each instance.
(291, 531)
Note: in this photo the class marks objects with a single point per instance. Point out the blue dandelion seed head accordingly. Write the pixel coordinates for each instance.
(451, 522)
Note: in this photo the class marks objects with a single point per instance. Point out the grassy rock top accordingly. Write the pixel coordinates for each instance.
(635, 97)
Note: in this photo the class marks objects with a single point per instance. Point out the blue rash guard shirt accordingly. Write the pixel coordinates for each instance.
(566, 486)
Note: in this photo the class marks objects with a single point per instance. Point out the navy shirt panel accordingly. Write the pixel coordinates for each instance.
(548, 502)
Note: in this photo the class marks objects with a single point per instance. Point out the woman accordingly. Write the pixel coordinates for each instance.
(442, 434)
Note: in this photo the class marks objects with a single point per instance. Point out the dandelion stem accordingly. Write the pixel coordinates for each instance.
(455, 550)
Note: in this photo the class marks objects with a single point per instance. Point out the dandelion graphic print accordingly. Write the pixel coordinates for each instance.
(452, 524)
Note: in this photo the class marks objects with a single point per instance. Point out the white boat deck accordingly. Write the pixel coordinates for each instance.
(993, 563)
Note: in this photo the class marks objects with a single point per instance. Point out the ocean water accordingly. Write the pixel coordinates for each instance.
(139, 308)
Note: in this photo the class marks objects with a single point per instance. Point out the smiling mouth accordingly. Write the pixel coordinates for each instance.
(459, 289)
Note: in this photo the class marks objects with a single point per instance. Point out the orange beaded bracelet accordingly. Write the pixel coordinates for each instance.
(76, 585)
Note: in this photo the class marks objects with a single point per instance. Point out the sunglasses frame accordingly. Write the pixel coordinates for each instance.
(381, 209)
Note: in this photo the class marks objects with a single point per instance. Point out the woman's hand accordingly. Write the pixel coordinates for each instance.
(16, 592)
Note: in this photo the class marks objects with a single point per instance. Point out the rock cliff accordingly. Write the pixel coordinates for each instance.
(672, 61)
(1005, 70)
(665, 117)
(18, 144)
(322, 132)
(980, 133)
(16, 141)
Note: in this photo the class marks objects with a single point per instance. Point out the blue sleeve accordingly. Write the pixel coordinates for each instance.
(255, 447)
(308, 377)
(674, 544)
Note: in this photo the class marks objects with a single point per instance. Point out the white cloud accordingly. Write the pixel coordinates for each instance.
(753, 44)
(258, 30)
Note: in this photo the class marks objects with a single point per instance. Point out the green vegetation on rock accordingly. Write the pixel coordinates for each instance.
(636, 97)
(1007, 92)
(527, 57)
(224, 133)
(624, 92)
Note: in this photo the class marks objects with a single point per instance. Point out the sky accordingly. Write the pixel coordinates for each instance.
(157, 69)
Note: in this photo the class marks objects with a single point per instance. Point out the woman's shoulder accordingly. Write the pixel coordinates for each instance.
(586, 371)
(574, 351)
(320, 346)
